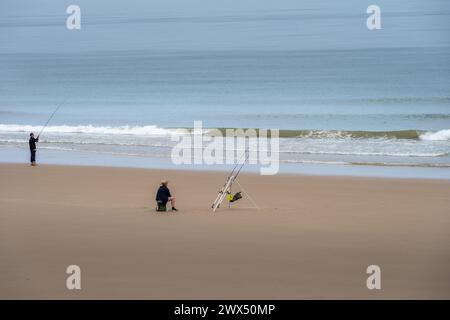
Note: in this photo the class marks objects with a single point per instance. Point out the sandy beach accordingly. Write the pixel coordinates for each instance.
(311, 237)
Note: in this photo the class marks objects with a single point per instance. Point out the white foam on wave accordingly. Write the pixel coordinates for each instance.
(442, 135)
(371, 153)
(90, 129)
(371, 163)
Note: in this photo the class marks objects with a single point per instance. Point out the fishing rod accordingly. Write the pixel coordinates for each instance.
(51, 117)
(226, 189)
(237, 164)
(247, 155)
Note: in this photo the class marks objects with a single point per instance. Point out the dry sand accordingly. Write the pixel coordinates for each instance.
(313, 237)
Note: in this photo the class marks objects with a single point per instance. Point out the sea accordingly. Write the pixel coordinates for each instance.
(347, 100)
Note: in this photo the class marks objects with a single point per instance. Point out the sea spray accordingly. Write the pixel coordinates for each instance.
(442, 135)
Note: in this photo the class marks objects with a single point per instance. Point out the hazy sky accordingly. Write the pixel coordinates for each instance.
(155, 25)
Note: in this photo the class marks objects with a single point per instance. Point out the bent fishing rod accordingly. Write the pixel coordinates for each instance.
(51, 117)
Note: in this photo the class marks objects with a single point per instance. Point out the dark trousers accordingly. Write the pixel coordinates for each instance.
(161, 206)
(33, 156)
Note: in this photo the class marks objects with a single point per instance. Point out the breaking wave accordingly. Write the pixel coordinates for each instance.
(152, 130)
(441, 135)
(372, 163)
(360, 134)
(90, 129)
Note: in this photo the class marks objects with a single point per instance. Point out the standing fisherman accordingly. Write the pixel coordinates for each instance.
(33, 140)
(32, 144)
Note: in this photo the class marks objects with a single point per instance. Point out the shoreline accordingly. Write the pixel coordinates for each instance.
(52, 157)
(309, 237)
(225, 172)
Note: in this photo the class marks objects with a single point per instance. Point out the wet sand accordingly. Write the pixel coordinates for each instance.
(311, 237)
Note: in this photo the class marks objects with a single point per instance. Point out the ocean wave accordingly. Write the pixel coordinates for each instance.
(370, 163)
(442, 135)
(153, 130)
(150, 130)
(88, 143)
(361, 134)
(113, 153)
(347, 134)
(370, 153)
(79, 145)
(353, 134)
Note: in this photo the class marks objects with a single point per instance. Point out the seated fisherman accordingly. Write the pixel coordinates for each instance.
(163, 196)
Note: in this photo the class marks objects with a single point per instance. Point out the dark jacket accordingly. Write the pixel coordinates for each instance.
(163, 194)
(32, 143)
